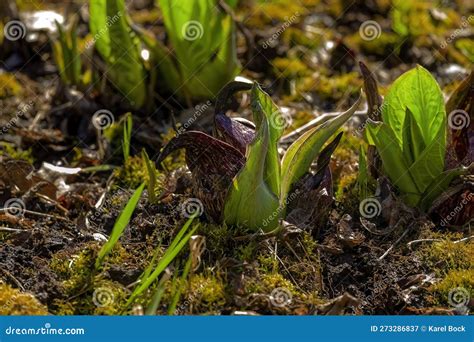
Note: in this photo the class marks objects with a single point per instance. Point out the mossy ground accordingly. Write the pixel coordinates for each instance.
(306, 56)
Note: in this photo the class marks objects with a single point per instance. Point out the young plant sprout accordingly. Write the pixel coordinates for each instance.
(411, 138)
(195, 28)
(238, 175)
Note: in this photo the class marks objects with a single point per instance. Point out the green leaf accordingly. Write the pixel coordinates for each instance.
(114, 41)
(119, 226)
(363, 177)
(418, 91)
(162, 58)
(127, 136)
(430, 164)
(198, 29)
(172, 251)
(250, 201)
(263, 107)
(440, 184)
(394, 161)
(304, 150)
(413, 144)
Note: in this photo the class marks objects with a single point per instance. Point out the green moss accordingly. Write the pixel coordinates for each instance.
(453, 264)
(205, 293)
(176, 159)
(461, 281)
(15, 302)
(76, 271)
(266, 13)
(10, 150)
(103, 297)
(247, 251)
(466, 46)
(86, 291)
(217, 238)
(445, 256)
(267, 263)
(9, 86)
(333, 86)
(132, 173)
(290, 67)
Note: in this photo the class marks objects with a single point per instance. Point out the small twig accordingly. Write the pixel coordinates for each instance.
(11, 230)
(464, 239)
(409, 244)
(16, 281)
(35, 213)
(394, 244)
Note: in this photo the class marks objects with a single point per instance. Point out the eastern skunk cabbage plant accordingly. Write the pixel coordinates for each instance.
(204, 47)
(199, 59)
(67, 56)
(411, 138)
(203, 44)
(120, 48)
(238, 174)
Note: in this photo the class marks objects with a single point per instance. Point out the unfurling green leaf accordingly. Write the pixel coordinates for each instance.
(304, 150)
(263, 107)
(394, 161)
(250, 201)
(114, 40)
(204, 43)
